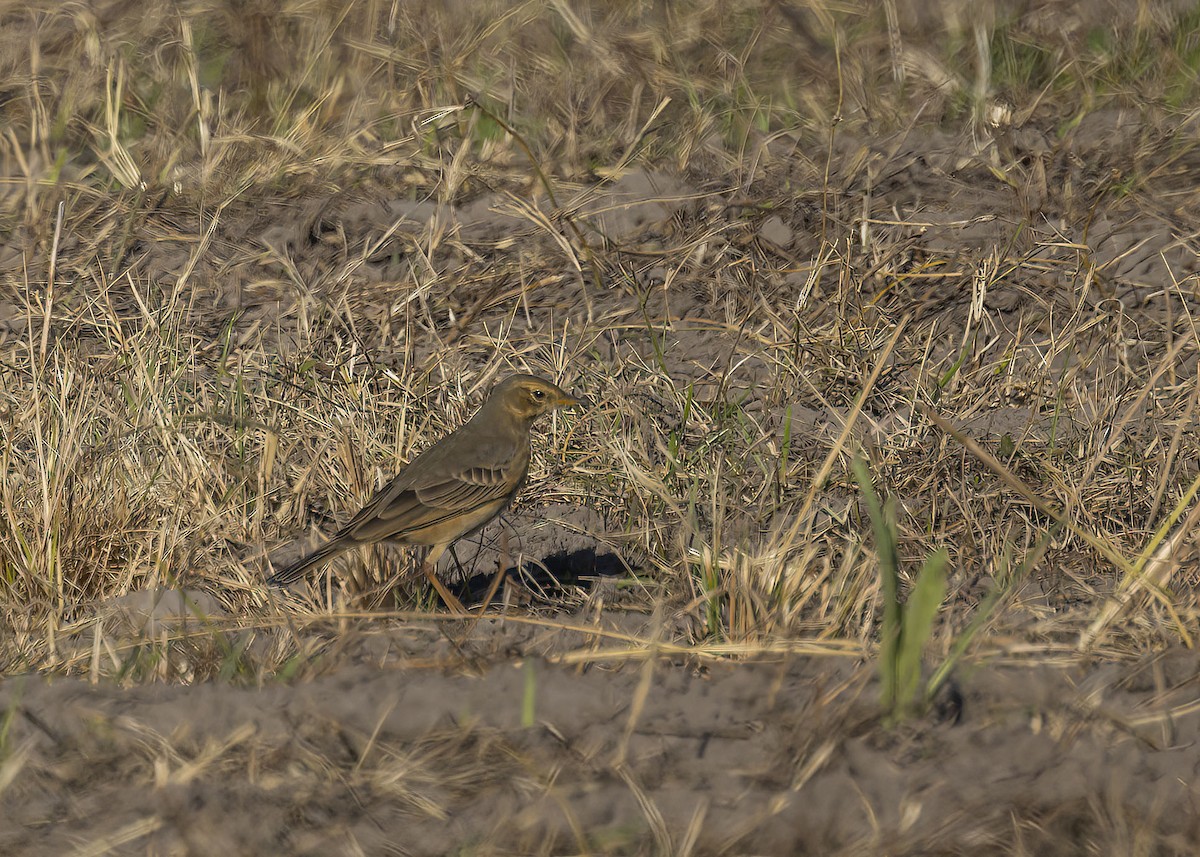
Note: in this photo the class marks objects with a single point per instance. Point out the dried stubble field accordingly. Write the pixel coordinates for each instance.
(253, 256)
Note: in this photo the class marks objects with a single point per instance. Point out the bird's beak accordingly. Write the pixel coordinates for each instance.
(565, 401)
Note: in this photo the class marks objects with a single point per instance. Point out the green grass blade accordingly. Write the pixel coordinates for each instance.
(919, 612)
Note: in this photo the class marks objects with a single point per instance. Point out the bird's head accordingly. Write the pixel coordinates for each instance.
(527, 397)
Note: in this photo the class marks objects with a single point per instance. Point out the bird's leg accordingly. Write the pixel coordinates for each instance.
(448, 597)
(429, 566)
(458, 563)
(501, 567)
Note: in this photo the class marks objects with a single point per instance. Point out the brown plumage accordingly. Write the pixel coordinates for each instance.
(454, 487)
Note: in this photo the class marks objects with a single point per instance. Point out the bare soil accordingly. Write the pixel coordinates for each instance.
(425, 741)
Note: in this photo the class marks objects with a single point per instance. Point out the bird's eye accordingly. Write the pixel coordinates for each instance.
(539, 394)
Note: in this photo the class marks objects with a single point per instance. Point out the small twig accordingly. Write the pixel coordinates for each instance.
(49, 307)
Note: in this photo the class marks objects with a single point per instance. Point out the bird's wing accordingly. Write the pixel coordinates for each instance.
(439, 485)
(469, 488)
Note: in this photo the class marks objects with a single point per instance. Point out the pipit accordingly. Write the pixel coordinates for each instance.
(454, 487)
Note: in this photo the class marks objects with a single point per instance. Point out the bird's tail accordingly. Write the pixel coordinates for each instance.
(301, 567)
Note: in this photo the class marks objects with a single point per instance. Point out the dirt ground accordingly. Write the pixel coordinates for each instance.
(428, 740)
(604, 705)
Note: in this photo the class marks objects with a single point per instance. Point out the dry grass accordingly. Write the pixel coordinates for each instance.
(172, 413)
(215, 334)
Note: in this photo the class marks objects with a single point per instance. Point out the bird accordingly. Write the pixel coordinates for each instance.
(452, 488)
